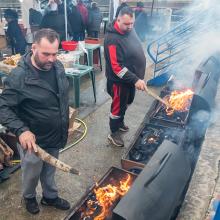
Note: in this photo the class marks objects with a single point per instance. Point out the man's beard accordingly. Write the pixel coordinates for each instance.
(127, 31)
(43, 66)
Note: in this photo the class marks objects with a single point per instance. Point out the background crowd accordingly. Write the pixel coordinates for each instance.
(82, 19)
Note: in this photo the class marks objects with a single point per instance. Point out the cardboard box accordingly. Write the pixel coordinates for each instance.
(72, 116)
(3, 42)
(2, 28)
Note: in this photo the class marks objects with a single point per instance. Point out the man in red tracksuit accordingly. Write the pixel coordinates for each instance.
(125, 69)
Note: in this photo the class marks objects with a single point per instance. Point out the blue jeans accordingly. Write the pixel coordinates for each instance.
(34, 169)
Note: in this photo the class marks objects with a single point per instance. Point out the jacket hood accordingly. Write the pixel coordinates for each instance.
(24, 62)
(112, 28)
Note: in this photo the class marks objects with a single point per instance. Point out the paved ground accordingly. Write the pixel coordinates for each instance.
(94, 156)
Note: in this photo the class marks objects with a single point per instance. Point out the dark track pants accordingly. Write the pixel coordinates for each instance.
(122, 95)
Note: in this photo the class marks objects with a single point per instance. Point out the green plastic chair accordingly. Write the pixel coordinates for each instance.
(75, 73)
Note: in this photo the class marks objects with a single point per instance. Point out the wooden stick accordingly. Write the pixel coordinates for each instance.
(4, 151)
(55, 162)
(8, 151)
(156, 97)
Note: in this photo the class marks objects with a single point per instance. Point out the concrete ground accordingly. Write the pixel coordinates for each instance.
(94, 156)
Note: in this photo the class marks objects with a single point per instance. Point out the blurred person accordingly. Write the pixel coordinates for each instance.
(14, 32)
(125, 70)
(94, 21)
(51, 4)
(56, 21)
(61, 9)
(140, 24)
(88, 4)
(123, 4)
(35, 17)
(34, 106)
(83, 11)
(76, 22)
(139, 8)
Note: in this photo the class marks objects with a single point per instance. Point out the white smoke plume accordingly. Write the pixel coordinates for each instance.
(203, 41)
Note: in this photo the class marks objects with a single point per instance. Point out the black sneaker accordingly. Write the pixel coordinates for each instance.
(116, 139)
(124, 128)
(58, 203)
(32, 205)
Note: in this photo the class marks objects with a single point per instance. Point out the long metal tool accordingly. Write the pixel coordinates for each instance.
(55, 162)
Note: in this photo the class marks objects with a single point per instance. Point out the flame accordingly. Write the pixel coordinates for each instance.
(151, 140)
(179, 101)
(106, 196)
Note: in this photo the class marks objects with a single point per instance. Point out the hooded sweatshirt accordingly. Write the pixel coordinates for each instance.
(124, 55)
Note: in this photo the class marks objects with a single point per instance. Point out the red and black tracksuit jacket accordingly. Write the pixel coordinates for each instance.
(125, 64)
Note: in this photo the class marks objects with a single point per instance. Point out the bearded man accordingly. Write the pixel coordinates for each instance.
(34, 106)
(125, 70)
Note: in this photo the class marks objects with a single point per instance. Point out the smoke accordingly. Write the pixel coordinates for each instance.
(215, 113)
(199, 122)
(202, 42)
(202, 5)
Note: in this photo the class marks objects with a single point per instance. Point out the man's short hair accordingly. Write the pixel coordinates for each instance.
(47, 33)
(126, 11)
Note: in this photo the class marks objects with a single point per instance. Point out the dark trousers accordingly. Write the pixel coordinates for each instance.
(93, 34)
(78, 36)
(18, 48)
(122, 95)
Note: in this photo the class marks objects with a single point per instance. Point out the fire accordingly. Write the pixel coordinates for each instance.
(106, 196)
(151, 140)
(179, 101)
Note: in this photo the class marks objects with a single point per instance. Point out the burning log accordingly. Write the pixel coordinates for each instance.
(177, 115)
(5, 154)
(179, 101)
(55, 162)
(99, 202)
(104, 197)
(6, 149)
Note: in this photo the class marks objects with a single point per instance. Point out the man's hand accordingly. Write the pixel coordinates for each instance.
(140, 85)
(28, 141)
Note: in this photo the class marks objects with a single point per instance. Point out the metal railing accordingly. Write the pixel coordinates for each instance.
(168, 49)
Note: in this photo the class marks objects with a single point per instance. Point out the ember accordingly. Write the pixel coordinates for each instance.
(103, 199)
(179, 101)
(151, 140)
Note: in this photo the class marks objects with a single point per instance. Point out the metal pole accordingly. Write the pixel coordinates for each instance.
(65, 14)
(152, 8)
